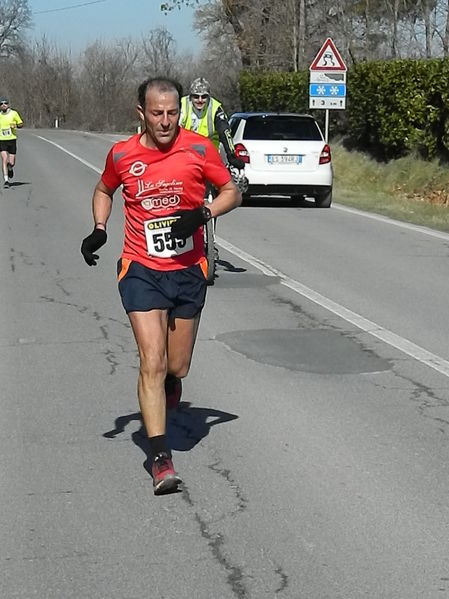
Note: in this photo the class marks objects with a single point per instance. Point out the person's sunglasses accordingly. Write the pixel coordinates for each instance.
(200, 96)
(5, 103)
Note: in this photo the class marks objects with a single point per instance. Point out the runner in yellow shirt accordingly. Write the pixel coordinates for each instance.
(9, 121)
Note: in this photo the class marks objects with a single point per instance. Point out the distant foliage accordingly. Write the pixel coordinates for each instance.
(399, 107)
(274, 91)
(256, 56)
(394, 108)
(15, 17)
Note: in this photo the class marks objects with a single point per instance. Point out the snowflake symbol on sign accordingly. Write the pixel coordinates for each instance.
(334, 90)
(320, 90)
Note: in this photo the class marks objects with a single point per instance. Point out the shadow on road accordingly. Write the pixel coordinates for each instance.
(277, 202)
(186, 427)
(18, 183)
(229, 267)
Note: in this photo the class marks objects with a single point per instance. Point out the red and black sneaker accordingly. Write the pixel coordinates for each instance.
(165, 479)
(173, 391)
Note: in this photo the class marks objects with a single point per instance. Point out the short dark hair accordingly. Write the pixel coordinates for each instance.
(163, 84)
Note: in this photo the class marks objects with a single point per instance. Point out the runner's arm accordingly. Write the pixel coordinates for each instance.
(17, 121)
(228, 198)
(101, 204)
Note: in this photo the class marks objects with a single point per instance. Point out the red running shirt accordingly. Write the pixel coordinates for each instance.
(156, 184)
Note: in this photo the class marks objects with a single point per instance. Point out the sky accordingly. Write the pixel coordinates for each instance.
(74, 24)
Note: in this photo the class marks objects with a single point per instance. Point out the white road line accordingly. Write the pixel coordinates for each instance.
(400, 343)
(94, 168)
(404, 345)
(396, 223)
(108, 136)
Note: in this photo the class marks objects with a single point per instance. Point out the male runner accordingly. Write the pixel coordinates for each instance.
(9, 121)
(161, 270)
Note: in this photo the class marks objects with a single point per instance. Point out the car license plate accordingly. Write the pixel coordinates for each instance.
(284, 158)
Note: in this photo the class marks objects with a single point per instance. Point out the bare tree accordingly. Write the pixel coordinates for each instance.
(50, 84)
(107, 79)
(446, 32)
(15, 16)
(159, 53)
(426, 9)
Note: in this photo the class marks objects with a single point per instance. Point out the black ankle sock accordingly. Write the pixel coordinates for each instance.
(158, 444)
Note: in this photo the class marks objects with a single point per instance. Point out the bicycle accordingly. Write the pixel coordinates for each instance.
(209, 240)
(210, 251)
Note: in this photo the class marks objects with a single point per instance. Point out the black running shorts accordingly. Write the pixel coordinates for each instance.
(181, 292)
(8, 145)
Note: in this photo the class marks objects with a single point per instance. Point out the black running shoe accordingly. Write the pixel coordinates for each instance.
(165, 479)
(6, 184)
(10, 171)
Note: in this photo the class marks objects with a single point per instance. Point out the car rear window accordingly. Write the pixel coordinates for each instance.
(281, 127)
(234, 123)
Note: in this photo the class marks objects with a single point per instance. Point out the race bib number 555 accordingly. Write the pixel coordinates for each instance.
(159, 239)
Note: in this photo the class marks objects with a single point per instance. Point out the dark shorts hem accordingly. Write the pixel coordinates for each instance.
(181, 292)
(9, 145)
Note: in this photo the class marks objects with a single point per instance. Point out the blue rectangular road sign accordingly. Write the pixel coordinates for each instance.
(327, 90)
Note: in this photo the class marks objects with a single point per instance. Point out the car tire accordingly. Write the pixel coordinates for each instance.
(324, 200)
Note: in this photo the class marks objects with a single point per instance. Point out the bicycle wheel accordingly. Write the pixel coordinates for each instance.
(208, 232)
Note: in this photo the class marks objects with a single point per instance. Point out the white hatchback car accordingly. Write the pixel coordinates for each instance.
(285, 154)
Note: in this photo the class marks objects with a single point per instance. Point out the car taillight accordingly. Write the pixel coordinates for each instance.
(325, 155)
(242, 152)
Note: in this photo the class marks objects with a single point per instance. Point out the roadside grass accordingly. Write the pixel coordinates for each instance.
(407, 189)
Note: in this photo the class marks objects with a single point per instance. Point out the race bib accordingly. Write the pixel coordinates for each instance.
(160, 242)
(6, 132)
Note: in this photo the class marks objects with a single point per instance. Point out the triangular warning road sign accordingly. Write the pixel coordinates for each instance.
(328, 58)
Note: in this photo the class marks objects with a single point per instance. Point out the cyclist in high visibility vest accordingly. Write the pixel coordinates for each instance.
(202, 113)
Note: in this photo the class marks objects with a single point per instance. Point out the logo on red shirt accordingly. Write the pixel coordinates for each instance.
(137, 168)
(158, 203)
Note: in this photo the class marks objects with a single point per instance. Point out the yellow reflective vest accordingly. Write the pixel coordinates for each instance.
(8, 122)
(205, 123)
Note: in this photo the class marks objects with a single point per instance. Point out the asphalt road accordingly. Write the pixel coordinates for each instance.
(313, 432)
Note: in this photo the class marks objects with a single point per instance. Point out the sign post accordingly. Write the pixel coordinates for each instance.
(327, 88)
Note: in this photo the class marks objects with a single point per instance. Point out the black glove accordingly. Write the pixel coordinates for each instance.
(190, 221)
(91, 244)
(237, 162)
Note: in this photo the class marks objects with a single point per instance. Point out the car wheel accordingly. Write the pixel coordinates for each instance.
(324, 200)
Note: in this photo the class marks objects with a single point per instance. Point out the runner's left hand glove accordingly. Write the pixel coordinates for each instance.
(91, 244)
(190, 221)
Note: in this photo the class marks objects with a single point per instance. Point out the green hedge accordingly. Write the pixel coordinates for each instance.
(275, 91)
(393, 108)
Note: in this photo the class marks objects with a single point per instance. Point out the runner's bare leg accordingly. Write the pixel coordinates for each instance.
(150, 331)
(5, 164)
(180, 343)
